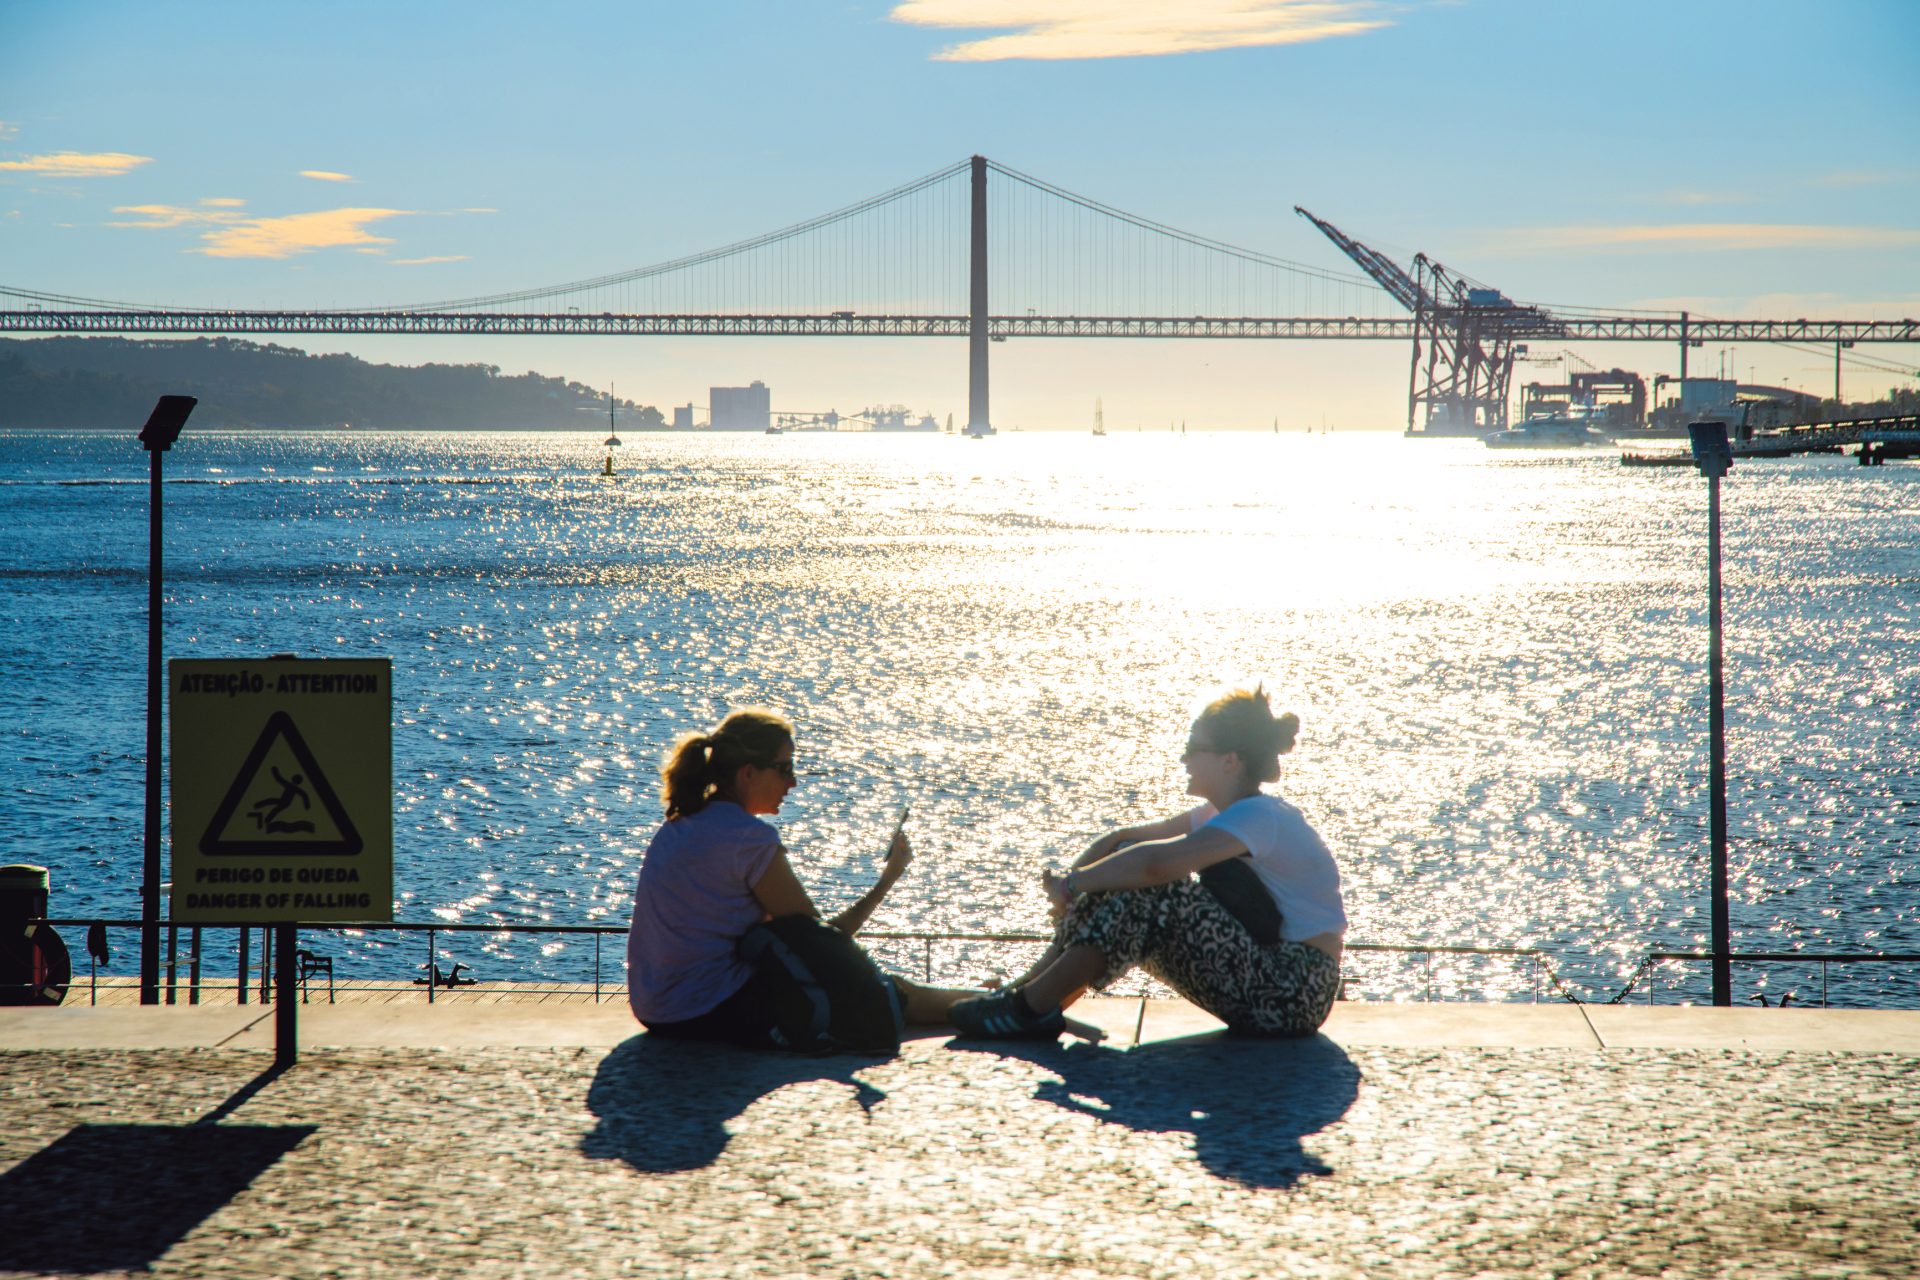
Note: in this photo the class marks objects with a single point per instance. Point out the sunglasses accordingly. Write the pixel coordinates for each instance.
(782, 767)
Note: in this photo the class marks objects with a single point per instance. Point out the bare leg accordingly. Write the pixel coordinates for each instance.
(1053, 952)
(929, 1005)
(1066, 979)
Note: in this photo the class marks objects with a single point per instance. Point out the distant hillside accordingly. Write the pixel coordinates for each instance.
(113, 382)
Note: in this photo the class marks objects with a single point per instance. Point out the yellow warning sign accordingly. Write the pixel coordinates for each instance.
(281, 777)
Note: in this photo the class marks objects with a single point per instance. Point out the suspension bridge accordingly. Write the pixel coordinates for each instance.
(955, 255)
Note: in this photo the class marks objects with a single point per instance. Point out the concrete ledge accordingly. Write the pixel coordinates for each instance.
(454, 1026)
(140, 1027)
(1127, 1022)
(1757, 1030)
(1461, 1026)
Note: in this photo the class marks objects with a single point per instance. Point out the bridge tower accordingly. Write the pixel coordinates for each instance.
(978, 422)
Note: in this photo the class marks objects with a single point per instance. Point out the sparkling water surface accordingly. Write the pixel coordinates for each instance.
(1498, 662)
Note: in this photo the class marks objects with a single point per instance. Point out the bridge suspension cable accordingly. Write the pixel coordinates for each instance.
(691, 262)
(904, 253)
(1062, 253)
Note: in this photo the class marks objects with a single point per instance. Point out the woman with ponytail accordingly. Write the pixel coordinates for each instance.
(1235, 904)
(713, 877)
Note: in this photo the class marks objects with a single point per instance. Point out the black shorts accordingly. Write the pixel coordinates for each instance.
(745, 1018)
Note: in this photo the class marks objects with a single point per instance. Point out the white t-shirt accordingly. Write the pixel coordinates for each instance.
(1289, 857)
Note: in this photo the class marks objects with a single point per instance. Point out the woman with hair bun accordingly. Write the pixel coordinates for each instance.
(1234, 904)
(716, 876)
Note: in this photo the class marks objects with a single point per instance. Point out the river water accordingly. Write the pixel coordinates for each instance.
(1498, 662)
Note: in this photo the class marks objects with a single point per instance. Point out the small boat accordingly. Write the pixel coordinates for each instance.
(613, 438)
(1571, 429)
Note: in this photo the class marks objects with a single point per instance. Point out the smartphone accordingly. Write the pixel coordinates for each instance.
(898, 827)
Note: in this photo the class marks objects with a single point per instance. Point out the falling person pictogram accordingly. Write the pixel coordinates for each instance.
(266, 813)
(276, 811)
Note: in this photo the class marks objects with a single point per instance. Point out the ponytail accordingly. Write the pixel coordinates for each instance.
(684, 778)
(702, 766)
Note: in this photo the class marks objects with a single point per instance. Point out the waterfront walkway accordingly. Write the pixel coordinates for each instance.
(546, 1138)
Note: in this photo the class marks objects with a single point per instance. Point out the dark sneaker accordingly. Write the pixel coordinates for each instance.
(1003, 1015)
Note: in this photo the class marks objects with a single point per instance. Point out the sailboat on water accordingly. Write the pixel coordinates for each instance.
(613, 437)
(1099, 420)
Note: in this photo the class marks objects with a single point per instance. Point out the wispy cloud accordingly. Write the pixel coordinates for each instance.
(299, 233)
(1846, 178)
(7, 130)
(223, 202)
(1694, 198)
(162, 216)
(421, 262)
(236, 235)
(326, 175)
(1704, 237)
(77, 164)
(1047, 30)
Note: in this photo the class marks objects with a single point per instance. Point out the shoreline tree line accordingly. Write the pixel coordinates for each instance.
(113, 382)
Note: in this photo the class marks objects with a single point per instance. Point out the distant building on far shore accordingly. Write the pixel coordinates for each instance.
(683, 417)
(739, 408)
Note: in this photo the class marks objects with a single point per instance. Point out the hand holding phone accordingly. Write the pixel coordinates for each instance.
(899, 849)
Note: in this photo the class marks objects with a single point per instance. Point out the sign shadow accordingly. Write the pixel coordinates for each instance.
(1247, 1102)
(116, 1197)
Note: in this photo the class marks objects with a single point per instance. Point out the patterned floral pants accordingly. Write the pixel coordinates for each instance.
(1181, 935)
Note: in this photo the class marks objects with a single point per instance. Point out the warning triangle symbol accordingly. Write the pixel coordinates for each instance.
(281, 803)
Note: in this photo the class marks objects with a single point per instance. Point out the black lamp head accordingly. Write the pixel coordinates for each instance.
(163, 425)
(1711, 452)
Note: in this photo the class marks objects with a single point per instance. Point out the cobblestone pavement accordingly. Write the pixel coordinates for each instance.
(1198, 1159)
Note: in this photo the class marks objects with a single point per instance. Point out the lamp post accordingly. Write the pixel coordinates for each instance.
(162, 429)
(1714, 457)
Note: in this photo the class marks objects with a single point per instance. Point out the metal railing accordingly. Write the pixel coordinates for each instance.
(1824, 959)
(1543, 974)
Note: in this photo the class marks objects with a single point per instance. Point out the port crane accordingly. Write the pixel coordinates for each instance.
(1464, 338)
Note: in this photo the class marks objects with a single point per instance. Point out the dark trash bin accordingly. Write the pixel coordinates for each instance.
(34, 967)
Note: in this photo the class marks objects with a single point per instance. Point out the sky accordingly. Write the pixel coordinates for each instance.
(1755, 158)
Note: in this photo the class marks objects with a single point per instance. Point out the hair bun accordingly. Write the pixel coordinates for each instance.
(1285, 729)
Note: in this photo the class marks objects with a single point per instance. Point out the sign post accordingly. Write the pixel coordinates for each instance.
(282, 789)
(1714, 456)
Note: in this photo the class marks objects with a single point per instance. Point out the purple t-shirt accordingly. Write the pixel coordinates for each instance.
(694, 900)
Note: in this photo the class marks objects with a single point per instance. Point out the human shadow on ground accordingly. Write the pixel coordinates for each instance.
(663, 1105)
(1247, 1102)
(116, 1197)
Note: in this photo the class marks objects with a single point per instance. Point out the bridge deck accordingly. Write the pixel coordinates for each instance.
(854, 325)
